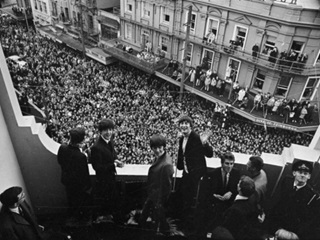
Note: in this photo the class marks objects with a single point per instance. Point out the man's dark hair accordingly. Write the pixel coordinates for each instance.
(77, 135)
(10, 196)
(256, 162)
(228, 156)
(247, 186)
(105, 124)
(157, 140)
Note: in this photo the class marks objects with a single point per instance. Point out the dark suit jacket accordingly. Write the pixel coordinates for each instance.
(215, 184)
(194, 155)
(159, 179)
(296, 211)
(102, 159)
(74, 168)
(240, 218)
(15, 227)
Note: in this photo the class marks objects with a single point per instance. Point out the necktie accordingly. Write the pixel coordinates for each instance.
(227, 179)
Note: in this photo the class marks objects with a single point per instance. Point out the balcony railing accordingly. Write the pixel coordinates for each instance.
(144, 61)
(274, 63)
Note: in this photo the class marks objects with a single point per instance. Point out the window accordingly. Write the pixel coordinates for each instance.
(35, 4)
(268, 45)
(240, 36)
(67, 14)
(189, 50)
(207, 58)
(212, 27)
(108, 33)
(128, 30)
(40, 6)
(165, 17)
(259, 80)
(90, 22)
(145, 37)
(232, 69)
(164, 43)
(192, 22)
(317, 60)
(309, 90)
(128, 5)
(297, 47)
(54, 9)
(44, 7)
(146, 10)
(283, 86)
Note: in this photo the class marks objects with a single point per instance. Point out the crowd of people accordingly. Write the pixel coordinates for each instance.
(74, 91)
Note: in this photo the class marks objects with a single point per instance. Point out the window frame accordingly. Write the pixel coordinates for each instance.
(235, 34)
(127, 26)
(237, 71)
(45, 9)
(163, 15)
(287, 88)
(162, 44)
(128, 6)
(144, 6)
(269, 46)
(260, 79)
(187, 56)
(317, 60)
(192, 29)
(203, 55)
(302, 47)
(314, 88)
(207, 27)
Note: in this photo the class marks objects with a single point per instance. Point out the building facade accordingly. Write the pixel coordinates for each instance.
(267, 46)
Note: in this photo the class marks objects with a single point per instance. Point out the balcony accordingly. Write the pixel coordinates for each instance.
(138, 58)
(283, 65)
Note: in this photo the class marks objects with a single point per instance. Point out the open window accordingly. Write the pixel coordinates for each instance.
(211, 30)
(239, 37)
(207, 58)
(297, 47)
(269, 44)
(283, 86)
(310, 88)
(259, 80)
(232, 69)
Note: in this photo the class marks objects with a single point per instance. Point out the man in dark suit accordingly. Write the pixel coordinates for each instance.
(104, 162)
(75, 176)
(297, 210)
(17, 222)
(222, 188)
(240, 218)
(191, 159)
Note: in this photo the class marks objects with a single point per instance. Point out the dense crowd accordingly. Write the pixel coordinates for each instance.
(73, 91)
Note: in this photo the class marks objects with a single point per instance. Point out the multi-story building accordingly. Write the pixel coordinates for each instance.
(225, 35)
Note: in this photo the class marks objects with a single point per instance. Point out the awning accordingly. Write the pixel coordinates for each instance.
(109, 22)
